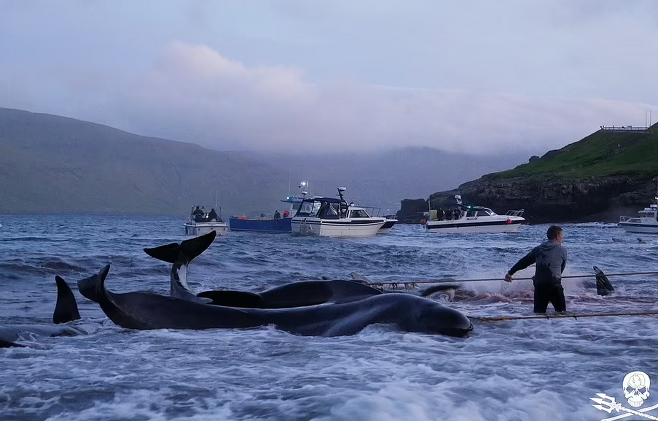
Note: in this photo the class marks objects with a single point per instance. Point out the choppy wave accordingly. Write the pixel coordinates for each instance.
(539, 369)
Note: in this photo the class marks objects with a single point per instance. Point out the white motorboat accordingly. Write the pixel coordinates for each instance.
(202, 222)
(389, 220)
(473, 219)
(388, 224)
(332, 217)
(646, 221)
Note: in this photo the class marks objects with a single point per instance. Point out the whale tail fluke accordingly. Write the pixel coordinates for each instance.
(92, 287)
(603, 285)
(184, 252)
(66, 309)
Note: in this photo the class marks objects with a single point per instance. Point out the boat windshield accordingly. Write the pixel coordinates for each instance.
(358, 213)
(308, 208)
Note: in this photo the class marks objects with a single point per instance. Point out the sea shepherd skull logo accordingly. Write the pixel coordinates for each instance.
(636, 391)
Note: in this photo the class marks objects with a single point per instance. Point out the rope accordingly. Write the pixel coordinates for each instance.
(561, 316)
(447, 280)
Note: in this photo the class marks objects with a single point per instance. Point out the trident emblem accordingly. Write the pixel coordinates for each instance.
(636, 390)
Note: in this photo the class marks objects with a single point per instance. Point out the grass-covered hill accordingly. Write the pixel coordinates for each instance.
(603, 153)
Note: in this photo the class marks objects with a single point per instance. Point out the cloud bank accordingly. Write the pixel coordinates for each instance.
(289, 75)
(193, 93)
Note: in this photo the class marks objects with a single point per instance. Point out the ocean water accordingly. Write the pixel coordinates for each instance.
(535, 369)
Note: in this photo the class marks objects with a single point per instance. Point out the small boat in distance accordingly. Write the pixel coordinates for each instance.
(331, 217)
(201, 222)
(473, 219)
(646, 221)
(271, 224)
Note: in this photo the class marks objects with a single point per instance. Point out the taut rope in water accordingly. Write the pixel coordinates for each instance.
(561, 316)
(452, 281)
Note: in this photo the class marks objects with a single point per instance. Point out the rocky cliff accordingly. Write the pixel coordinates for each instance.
(546, 200)
(609, 173)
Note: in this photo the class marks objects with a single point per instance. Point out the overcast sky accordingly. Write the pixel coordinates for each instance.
(462, 75)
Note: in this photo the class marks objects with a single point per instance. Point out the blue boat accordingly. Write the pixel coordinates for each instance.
(267, 223)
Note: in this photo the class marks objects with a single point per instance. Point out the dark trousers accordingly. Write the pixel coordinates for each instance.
(549, 293)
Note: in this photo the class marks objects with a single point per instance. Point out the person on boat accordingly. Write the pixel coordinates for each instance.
(198, 214)
(212, 215)
(440, 214)
(277, 215)
(550, 258)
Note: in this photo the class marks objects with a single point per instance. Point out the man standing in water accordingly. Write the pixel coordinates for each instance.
(551, 259)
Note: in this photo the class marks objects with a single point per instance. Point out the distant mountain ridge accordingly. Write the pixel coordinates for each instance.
(53, 164)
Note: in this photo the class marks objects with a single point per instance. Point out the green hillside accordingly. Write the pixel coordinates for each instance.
(603, 153)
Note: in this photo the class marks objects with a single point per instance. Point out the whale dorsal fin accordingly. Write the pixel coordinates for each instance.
(66, 309)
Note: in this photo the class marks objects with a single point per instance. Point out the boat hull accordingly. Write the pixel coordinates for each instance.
(336, 228)
(475, 227)
(387, 226)
(260, 225)
(640, 228)
(200, 228)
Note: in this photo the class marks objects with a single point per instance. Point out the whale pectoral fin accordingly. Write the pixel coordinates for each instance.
(184, 252)
(603, 285)
(66, 309)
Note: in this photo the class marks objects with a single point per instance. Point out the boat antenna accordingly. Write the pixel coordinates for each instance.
(340, 193)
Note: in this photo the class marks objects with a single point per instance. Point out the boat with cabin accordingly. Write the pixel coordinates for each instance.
(646, 221)
(201, 222)
(271, 223)
(472, 219)
(334, 217)
(390, 220)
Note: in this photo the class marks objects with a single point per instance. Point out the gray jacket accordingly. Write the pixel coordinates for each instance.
(550, 258)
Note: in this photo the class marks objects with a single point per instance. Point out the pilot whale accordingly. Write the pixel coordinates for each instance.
(295, 294)
(148, 310)
(66, 310)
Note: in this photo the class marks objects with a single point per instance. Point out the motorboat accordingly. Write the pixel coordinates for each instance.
(202, 222)
(646, 221)
(271, 223)
(389, 222)
(334, 217)
(473, 219)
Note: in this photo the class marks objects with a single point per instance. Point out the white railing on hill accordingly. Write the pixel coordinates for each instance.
(624, 128)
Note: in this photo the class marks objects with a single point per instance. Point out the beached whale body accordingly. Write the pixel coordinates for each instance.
(66, 310)
(146, 310)
(323, 308)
